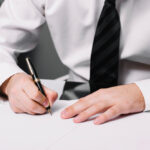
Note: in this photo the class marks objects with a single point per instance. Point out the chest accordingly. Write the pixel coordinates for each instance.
(135, 34)
(82, 15)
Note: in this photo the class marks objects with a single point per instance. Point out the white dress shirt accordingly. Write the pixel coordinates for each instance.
(72, 24)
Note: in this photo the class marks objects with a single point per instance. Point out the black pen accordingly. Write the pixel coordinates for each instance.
(36, 79)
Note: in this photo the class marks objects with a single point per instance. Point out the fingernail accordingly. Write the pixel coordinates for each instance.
(46, 103)
(64, 114)
(96, 122)
(77, 119)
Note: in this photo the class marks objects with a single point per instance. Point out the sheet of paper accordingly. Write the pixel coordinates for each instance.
(28, 132)
(127, 133)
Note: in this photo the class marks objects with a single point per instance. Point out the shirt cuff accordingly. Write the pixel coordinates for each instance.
(144, 86)
(7, 70)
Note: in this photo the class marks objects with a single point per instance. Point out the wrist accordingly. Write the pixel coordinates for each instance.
(140, 96)
(3, 88)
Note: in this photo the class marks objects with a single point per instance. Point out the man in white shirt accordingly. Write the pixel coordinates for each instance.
(73, 24)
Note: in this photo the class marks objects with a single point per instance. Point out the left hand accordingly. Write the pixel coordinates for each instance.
(110, 102)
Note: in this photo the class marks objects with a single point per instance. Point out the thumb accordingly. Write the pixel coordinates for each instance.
(51, 95)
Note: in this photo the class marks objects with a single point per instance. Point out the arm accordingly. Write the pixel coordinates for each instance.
(110, 102)
(20, 23)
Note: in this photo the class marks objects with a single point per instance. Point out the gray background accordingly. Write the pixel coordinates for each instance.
(44, 57)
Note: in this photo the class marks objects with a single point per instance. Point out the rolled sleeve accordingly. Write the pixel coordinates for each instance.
(8, 71)
(144, 86)
(8, 64)
(20, 23)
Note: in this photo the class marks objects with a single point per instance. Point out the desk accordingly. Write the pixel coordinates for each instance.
(127, 133)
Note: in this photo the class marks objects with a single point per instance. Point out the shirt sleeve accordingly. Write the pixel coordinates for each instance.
(20, 22)
(144, 86)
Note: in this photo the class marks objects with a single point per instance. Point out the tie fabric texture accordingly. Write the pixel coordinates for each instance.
(105, 51)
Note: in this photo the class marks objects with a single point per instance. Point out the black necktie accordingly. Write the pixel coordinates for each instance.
(105, 52)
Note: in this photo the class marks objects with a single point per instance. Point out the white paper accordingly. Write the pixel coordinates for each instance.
(45, 132)
(29, 132)
(127, 133)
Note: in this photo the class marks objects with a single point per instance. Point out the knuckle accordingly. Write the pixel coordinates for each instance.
(105, 94)
(105, 117)
(82, 100)
(13, 91)
(35, 94)
(71, 110)
(84, 114)
(32, 107)
(101, 106)
(97, 106)
(114, 111)
(125, 109)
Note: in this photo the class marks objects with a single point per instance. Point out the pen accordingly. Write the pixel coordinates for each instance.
(36, 79)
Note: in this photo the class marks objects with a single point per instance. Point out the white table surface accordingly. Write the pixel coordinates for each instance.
(126, 133)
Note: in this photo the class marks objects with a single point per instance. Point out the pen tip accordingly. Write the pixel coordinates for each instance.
(49, 111)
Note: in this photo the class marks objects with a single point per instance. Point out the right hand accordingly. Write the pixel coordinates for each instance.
(24, 96)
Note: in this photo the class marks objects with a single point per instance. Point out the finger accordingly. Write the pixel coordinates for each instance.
(30, 105)
(22, 109)
(16, 105)
(51, 95)
(93, 110)
(15, 109)
(110, 114)
(17, 102)
(76, 108)
(33, 93)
